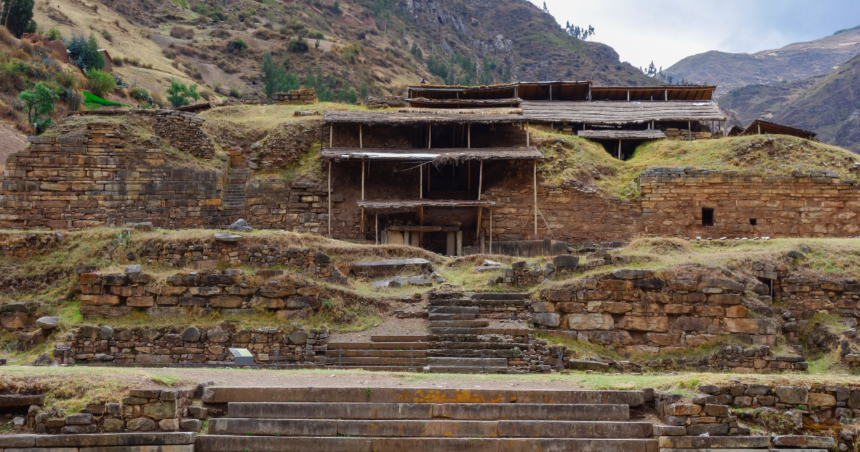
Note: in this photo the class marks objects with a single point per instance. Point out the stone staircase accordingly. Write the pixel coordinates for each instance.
(438, 420)
(389, 353)
(237, 178)
(462, 339)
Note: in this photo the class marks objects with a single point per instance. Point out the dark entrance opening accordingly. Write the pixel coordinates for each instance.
(752, 222)
(707, 217)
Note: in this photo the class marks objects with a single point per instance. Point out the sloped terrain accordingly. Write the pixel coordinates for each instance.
(745, 105)
(792, 62)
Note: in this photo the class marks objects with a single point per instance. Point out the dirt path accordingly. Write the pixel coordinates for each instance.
(11, 141)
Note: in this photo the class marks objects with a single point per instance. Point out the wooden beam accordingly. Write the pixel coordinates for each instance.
(527, 135)
(331, 136)
(690, 130)
(376, 227)
(759, 128)
(360, 138)
(536, 213)
(491, 229)
(478, 231)
(666, 95)
(628, 95)
(420, 183)
(480, 179)
(429, 137)
(619, 150)
(413, 228)
(329, 197)
(469, 137)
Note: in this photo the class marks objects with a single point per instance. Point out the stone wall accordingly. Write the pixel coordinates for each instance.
(645, 311)
(285, 145)
(95, 180)
(183, 130)
(189, 294)
(734, 358)
(297, 97)
(29, 245)
(192, 345)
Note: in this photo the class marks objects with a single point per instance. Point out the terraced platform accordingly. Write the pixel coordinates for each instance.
(397, 420)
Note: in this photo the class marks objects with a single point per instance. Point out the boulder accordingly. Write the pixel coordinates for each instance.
(224, 237)
(546, 319)
(191, 334)
(391, 266)
(792, 395)
(48, 322)
(565, 261)
(240, 225)
(133, 268)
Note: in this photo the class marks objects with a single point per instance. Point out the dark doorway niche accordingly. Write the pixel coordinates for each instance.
(752, 222)
(707, 216)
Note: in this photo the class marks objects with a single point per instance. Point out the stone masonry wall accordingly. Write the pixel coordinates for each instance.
(734, 358)
(646, 311)
(197, 293)
(192, 345)
(284, 146)
(183, 131)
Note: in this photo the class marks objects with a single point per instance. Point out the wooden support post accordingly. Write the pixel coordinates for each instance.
(329, 198)
(362, 193)
(536, 212)
(331, 136)
(550, 93)
(628, 95)
(589, 92)
(619, 149)
(690, 130)
(480, 179)
(491, 230)
(478, 231)
(666, 95)
(429, 137)
(420, 183)
(469, 136)
(376, 227)
(360, 138)
(527, 135)
(759, 129)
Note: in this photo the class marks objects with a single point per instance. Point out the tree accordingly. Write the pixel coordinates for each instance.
(336, 7)
(85, 52)
(416, 52)
(18, 17)
(275, 78)
(39, 103)
(101, 83)
(178, 93)
(545, 9)
(309, 78)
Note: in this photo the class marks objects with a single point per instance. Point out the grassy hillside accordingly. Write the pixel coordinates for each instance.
(762, 101)
(792, 62)
(831, 107)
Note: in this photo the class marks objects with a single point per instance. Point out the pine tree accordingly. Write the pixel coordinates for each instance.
(17, 16)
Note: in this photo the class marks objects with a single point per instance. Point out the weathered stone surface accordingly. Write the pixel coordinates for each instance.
(632, 274)
(140, 424)
(546, 319)
(751, 326)
(191, 334)
(48, 322)
(792, 395)
(585, 322)
(160, 410)
(636, 323)
(817, 400)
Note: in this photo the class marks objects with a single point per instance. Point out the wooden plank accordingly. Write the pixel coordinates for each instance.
(413, 228)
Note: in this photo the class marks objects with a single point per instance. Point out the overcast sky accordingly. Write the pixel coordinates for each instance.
(667, 31)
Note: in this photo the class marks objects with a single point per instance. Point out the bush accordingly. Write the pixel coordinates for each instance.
(106, 34)
(178, 93)
(85, 52)
(221, 33)
(234, 92)
(101, 83)
(39, 103)
(299, 45)
(139, 94)
(237, 45)
(53, 34)
(182, 33)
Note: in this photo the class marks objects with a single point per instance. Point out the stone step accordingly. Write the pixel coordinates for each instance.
(169, 442)
(453, 310)
(223, 443)
(466, 370)
(369, 368)
(470, 353)
(378, 345)
(224, 394)
(429, 428)
(437, 317)
(500, 296)
(454, 331)
(419, 411)
(398, 338)
(459, 324)
(714, 442)
(377, 353)
(441, 346)
(376, 361)
(479, 303)
(467, 362)
(743, 450)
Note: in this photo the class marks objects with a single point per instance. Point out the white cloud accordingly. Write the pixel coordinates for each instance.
(666, 31)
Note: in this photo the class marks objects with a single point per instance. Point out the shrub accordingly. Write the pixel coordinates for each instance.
(6, 37)
(139, 94)
(67, 78)
(335, 8)
(101, 83)
(299, 45)
(106, 34)
(234, 92)
(53, 34)
(237, 45)
(182, 33)
(39, 103)
(85, 52)
(317, 35)
(178, 93)
(221, 33)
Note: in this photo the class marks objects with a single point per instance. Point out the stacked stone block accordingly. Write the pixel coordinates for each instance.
(734, 358)
(193, 345)
(117, 295)
(184, 131)
(643, 311)
(374, 102)
(303, 96)
(285, 145)
(28, 245)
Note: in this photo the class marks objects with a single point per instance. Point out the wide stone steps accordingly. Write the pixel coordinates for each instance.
(436, 317)
(430, 428)
(478, 303)
(452, 331)
(375, 361)
(225, 394)
(459, 324)
(223, 443)
(234, 195)
(453, 310)
(472, 353)
(428, 411)
(377, 346)
(377, 353)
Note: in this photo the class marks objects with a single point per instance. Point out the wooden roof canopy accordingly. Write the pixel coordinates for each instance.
(620, 112)
(649, 134)
(763, 127)
(403, 119)
(569, 91)
(438, 155)
(653, 93)
(506, 91)
(464, 103)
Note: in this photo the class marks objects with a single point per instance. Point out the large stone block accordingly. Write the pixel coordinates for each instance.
(636, 323)
(792, 395)
(586, 322)
(751, 326)
(818, 400)
(546, 319)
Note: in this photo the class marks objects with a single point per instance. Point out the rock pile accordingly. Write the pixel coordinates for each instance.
(303, 96)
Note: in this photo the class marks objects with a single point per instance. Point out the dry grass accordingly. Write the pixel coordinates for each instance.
(266, 118)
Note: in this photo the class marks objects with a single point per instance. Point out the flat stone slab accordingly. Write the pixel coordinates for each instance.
(400, 281)
(14, 400)
(48, 322)
(391, 266)
(225, 237)
(491, 268)
(714, 442)
(115, 439)
(588, 365)
(224, 394)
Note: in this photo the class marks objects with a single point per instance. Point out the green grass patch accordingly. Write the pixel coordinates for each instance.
(90, 98)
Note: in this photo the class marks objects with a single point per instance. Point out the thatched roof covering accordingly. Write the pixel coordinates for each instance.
(434, 117)
(433, 155)
(650, 134)
(763, 127)
(620, 112)
(463, 103)
(412, 204)
(653, 93)
(464, 111)
(505, 91)
(561, 91)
